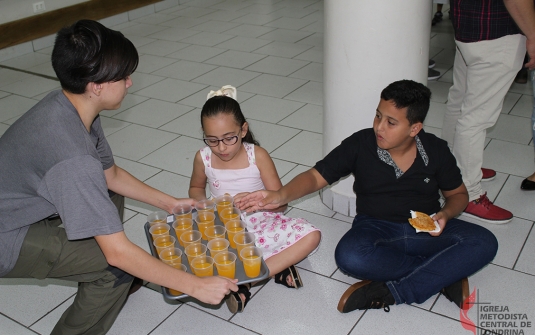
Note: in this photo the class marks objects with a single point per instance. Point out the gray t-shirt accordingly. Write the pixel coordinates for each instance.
(49, 164)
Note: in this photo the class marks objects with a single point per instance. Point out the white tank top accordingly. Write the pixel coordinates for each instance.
(232, 181)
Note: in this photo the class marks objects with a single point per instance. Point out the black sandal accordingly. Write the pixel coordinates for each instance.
(280, 278)
(235, 303)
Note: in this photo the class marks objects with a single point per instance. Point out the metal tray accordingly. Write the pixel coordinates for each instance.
(240, 272)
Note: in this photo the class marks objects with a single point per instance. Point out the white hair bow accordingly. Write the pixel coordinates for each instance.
(227, 90)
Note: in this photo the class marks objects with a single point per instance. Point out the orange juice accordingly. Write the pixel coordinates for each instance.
(251, 265)
(193, 254)
(222, 205)
(203, 269)
(229, 216)
(170, 258)
(183, 216)
(163, 244)
(182, 226)
(226, 268)
(175, 292)
(160, 232)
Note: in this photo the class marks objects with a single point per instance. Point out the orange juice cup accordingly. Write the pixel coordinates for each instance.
(163, 242)
(233, 227)
(204, 220)
(190, 237)
(225, 263)
(182, 211)
(222, 202)
(212, 232)
(229, 213)
(171, 256)
(160, 229)
(157, 217)
(195, 249)
(203, 266)
(180, 267)
(243, 239)
(180, 226)
(205, 205)
(252, 259)
(217, 245)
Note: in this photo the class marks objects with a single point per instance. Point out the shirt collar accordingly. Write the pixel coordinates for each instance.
(386, 158)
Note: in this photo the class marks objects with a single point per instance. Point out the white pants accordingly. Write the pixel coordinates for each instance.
(482, 74)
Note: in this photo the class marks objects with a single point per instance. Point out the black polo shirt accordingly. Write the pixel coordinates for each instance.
(382, 190)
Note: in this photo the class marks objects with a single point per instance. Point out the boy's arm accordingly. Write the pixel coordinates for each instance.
(455, 202)
(197, 183)
(122, 182)
(303, 184)
(268, 173)
(125, 255)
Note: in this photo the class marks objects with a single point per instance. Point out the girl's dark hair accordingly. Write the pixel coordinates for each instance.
(223, 104)
(89, 52)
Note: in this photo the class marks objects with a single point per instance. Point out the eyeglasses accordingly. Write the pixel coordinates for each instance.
(214, 142)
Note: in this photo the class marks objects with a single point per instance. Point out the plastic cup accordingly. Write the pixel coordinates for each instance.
(233, 227)
(203, 266)
(160, 229)
(204, 220)
(180, 226)
(180, 267)
(243, 239)
(205, 205)
(221, 202)
(182, 211)
(195, 250)
(225, 263)
(189, 237)
(171, 256)
(212, 232)
(163, 242)
(229, 213)
(157, 217)
(217, 245)
(252, 259)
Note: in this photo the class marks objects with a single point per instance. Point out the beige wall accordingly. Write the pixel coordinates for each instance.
(12, 10)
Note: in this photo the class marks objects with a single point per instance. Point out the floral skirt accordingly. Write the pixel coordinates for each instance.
(275, 232)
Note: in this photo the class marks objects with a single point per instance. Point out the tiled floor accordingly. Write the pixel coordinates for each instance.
(272, 51)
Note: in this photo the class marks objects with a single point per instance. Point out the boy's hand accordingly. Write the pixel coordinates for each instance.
(442, 219)
(213, 289)
(259, 200)
(183, 201)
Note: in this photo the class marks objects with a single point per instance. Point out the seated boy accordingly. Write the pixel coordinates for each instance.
(398, 168)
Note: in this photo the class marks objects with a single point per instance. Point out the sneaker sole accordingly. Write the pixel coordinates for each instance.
(488, 179)
(487, 220)
(348, 293)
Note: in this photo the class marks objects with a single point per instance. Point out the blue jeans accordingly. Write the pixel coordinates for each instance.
(414, 266)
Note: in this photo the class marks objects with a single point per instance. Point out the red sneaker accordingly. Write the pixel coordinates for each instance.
(488, 174)
(484, 210)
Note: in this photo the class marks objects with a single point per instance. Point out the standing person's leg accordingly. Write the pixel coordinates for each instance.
(528, 184)
(492, 66)
(456, 96)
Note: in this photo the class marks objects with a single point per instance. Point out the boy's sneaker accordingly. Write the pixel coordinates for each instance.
(484, 210)
(364, 295)
(432, 63)
(457, 293)
(488, 174)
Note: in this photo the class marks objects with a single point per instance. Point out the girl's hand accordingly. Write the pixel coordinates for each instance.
(259, 200)
(238, 196)
(442, 219)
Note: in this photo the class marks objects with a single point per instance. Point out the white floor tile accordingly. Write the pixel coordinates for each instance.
(151, 63)
(14, 105)
(188, 124)
(44, 296)
(269, 109)
(161, 48)
(207, 38)
(305, 149)
(249, 30)
(507, 157)
(271, 136)
(311, 93)
(512, 104)
(511, 128)
(277, 65)
(274, 86)
(11, 327)
(525, 261)
(135, 142)
(243, 43)
(176, 156)
(171, 90)
(153, 113)
(227, 76)
(309, 117)
(110, 125)
(31, 86)
(312, 71)
(129, 101)
(236, 59)
(138, 170)
(286, 35)
(283, 49)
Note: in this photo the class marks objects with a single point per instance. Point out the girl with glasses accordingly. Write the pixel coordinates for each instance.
(234, 163)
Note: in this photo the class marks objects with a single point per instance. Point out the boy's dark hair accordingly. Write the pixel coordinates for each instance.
(89, 52)
(223, 104)
(408, 93)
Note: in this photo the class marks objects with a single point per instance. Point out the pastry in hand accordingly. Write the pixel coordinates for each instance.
(422, 222)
